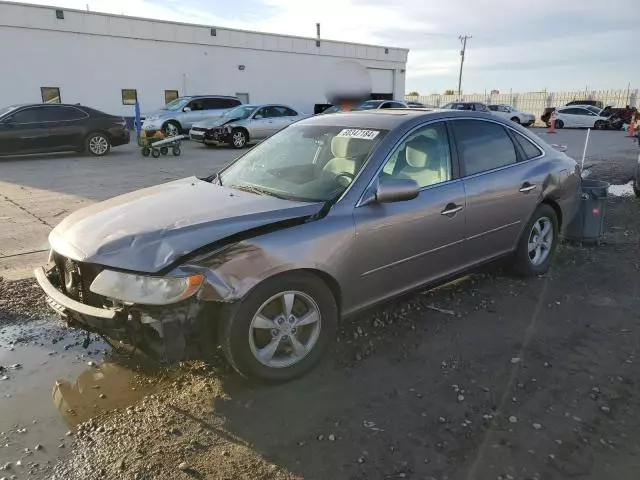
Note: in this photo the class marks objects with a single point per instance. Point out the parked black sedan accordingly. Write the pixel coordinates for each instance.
(45, 128)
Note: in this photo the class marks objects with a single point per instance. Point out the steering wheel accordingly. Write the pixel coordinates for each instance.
(347, 175)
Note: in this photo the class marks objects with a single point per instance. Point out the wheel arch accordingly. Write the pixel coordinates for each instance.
(244, 129)
(556, 208)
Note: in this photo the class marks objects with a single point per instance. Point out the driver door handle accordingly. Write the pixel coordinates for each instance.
(527, 187)
(451, 209)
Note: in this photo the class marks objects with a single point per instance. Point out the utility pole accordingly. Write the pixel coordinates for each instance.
(463, 39)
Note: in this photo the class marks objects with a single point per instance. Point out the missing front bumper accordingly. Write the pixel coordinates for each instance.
(169, 333)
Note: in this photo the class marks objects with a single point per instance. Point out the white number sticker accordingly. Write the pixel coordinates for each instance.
(358, 133)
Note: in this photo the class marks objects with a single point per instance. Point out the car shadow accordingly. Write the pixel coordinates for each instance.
(360, 414)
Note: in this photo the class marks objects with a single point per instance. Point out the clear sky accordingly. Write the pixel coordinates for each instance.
(524, 45)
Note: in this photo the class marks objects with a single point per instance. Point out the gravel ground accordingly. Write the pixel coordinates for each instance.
(21, 299)
(493, 377)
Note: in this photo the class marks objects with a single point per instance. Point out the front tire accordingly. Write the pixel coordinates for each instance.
(239, 138)
(171, 128)
(281, 329)
(98, 144)
(600, 125)
(515, 119)
(538, 242)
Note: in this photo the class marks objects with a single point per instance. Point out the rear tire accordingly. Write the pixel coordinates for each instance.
(526, 261)
(164, 150)
(176, 151)
(155, 153)
(243, 341)
(146, 151)
(559, 124)
(98, 144)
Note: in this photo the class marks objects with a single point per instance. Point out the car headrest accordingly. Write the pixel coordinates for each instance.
(346, 147)
(418, 151)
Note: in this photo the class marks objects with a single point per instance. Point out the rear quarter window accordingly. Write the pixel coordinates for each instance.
(529, 149)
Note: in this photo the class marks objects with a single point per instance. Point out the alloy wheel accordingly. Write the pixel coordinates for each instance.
(540, 241)
(238, 139)
(285, 329)
(98, 145)
(171, 129)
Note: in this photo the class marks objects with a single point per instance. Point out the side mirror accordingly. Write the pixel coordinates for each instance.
(397, 190)
(257, 117)
(186, 109)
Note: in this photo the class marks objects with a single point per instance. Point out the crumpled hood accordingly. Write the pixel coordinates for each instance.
(149, 229)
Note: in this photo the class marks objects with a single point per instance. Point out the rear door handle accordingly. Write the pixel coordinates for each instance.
(451, 209)
(527, 187)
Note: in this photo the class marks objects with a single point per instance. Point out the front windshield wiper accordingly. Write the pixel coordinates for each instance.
(258, 190)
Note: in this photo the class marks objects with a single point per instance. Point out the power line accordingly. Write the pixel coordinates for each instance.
(463, 39)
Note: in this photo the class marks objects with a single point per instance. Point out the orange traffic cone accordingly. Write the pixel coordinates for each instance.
(632, 127)
(552, 123)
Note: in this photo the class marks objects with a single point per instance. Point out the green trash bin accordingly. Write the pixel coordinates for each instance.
(588, 223)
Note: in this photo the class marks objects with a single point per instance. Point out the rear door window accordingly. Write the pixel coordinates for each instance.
(216, 103)
(483, 146)
(285, 111)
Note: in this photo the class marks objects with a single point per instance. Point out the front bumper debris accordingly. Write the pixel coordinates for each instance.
(167, 333)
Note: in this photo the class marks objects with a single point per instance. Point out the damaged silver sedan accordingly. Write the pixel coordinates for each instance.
(330, 216)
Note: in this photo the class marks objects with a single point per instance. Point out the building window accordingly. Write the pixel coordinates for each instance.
(129, 96)
(170, 96)
(50, 95)
(60, 14)
(213, 32)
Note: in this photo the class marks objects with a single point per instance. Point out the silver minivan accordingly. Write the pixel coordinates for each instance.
(179, 115)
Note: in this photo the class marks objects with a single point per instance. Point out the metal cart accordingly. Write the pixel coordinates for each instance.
(156, 146)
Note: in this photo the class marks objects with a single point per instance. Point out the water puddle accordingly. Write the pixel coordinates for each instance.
(41, 359)
(98, 390)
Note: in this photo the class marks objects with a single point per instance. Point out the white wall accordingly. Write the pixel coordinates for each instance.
(92, 68)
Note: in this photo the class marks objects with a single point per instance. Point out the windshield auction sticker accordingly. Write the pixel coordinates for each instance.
(358, 133)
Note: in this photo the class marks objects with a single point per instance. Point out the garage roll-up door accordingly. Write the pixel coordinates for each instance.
(381, 80)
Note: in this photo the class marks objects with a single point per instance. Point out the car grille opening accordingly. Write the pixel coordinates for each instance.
(75, 279)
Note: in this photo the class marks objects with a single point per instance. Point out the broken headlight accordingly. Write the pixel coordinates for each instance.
(143, 289)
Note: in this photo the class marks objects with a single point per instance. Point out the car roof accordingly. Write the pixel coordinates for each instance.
(210, 96)
(388, 119)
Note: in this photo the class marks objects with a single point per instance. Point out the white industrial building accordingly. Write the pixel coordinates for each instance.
(107, 61)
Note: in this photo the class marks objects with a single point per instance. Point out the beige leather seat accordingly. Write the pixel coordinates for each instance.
(348, 155)
(426, 161)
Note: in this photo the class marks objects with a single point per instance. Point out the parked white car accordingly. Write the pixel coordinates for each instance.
(576, 116)
(508, 112)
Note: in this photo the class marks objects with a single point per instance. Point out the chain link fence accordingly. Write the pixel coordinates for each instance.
(534, 102)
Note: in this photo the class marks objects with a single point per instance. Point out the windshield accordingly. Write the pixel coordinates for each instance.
(176, 104)
(241, 112)
(5, 110)
(332, 109)
(368, 106)
(307, 163)
(593, 109)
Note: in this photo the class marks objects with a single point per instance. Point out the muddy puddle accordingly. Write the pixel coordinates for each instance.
(51, 379)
